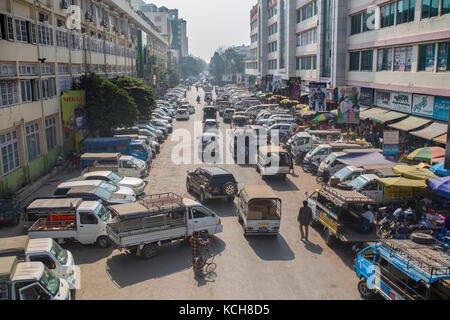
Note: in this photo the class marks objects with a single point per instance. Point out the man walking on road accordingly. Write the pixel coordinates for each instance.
(304, 217)
(196, 242)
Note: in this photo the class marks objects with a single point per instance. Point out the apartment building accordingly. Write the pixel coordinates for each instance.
(39, 58)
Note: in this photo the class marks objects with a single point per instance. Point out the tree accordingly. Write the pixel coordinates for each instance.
(174, 77)
(142, 94)
(191, 66)
(217, 67)
(107, 105)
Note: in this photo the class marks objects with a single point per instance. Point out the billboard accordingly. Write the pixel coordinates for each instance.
(401, 102)
(72, 107)
(390, 142)
(441, 107)
(318, 96)
(295, 88)
(348, 107)
(366, 96)
(423, 105)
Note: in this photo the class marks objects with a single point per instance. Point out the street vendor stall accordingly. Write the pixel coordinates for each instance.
(414, 172)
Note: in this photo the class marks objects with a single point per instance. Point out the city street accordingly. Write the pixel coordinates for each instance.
(247, 268)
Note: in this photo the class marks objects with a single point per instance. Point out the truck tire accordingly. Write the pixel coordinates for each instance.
(329, 237)
(364, 291)
(103, 242)
(421, 238)
(229, 189)
(149, 251)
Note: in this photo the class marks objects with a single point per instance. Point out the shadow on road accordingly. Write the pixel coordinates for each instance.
(271, 248)
(314, 248)
(126, 269)
(281, 184)
(222, 207)
(87, 253)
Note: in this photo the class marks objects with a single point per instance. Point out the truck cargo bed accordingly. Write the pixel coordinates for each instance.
(44, 228)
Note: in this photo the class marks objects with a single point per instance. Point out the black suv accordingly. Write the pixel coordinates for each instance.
(211, 183)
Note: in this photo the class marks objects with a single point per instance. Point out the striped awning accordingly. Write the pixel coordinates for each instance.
(410, 123)
(370, 112)
(387, 116)
(441, 139)
(434, 130)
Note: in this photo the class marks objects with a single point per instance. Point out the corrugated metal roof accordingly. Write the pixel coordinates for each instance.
(410, 123)
(387, 116)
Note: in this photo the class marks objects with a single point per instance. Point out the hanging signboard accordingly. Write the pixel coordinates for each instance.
(317, 96)
(390, 143)
(383, 99)
(401, 102)
(441, 107)
(366, 96)
(423, 105)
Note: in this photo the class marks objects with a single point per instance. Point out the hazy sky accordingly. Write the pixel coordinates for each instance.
(212, 23)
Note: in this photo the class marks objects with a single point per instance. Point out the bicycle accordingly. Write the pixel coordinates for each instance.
(205, 261)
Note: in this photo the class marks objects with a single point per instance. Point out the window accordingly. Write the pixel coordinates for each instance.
(46, 260)
(9, 93)
(444, 57)
(76, 41)
(306, 63)
(27, 70)
(273, 46)
(272, 64)
(356, 24)
(405, 11)
(45, 35)
(9, 152)
(6, 27)
(273, 29)
(21, 30)
(426, 57)
(61, 39)
(430, 8)
(76, 68)
(402, 59)
(445, 7)
(384, 60)
(88, 218)
(354, 61)
(387, 15)
(366, 60)
(27, 94)
(7, 70)
(48, 88)
(63, 69)
(46, 69)
(33, 143)
(200, 213)
(307, 37)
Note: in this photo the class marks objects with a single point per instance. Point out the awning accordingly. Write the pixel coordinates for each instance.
(370, 112)
(387, 116)
(361, 159)
(436, 129)
(410, 123)
(402, 182)
(361, 109)
(441, 139)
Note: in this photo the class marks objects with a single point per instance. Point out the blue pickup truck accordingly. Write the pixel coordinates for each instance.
(404, 270)
(123, 145)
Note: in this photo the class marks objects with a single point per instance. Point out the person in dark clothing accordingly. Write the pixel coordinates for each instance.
(196, 242)
(304, 218)
(291, 165)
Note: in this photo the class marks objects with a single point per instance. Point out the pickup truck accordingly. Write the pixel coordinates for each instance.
(143, 226)
(69, 218)
(305, 141)
(48, 252)
(30, 281)
(340, 213)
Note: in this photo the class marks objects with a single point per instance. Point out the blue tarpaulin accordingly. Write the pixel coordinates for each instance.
(440, 185)
(439, 170)
(365, 159)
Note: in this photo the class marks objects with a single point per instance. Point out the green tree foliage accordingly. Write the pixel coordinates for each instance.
(142, 94)
(107, 105)
(191, 66)
(173, 77)
(227, 62)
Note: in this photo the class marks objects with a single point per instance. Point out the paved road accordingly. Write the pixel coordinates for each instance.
(247, 268)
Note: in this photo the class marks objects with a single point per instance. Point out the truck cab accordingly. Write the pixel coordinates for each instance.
(368, 185)
(346, 174)
(125, 165)
(30, 281)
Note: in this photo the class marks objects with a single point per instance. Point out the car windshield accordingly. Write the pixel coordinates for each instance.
(108, 186)
(315, 151)
(341, 174)
(49, 281)
(136, 162)
(114, 177)
(103, 194)
(59, 253)
(330, 159)
(102, 212)
(358, 183)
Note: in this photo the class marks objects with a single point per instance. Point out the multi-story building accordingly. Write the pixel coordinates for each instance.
(40, 56)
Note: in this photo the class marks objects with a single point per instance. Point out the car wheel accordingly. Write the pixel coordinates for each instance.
(229, 189)
(329, 238)
(364, 290)
(103, 242)
(149, 251)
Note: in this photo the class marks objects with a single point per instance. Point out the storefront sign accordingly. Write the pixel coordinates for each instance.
(391, 136)
(72, 106)
(366, 96)
(348, 107)
(401, 102)
(423, 105)
(441, 107)
(317, 96)
(383, 99)
(390, 149)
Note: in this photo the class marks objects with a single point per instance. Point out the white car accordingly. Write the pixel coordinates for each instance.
(138, 185)
(210, 124)
(115, 190)
(207, 139)
(182, 114)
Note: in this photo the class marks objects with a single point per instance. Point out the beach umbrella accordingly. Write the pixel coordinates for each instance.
(428, 154)
(439, 170)
(323, 117)
(440, 185)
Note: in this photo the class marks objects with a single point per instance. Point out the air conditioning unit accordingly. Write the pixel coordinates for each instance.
(43, 17)
(64, 4)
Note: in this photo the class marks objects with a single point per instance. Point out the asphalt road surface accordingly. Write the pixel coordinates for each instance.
(282, 267)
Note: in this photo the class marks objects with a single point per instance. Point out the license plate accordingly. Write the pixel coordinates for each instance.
(263, 223)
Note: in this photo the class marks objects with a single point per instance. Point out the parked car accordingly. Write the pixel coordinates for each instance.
(210, 124)
(63, 187)
(212, 183)
(138, 185)
(92, 193)
(182, 114)
(228, 115)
